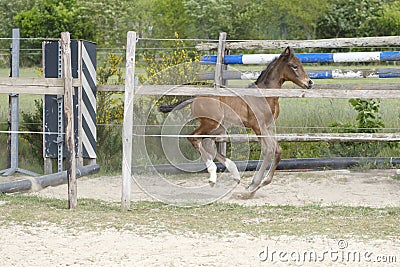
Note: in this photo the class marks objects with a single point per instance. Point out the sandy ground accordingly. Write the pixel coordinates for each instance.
(52, 245)
(342, 187)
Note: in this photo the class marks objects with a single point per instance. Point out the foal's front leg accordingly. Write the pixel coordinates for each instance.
(268, 147)
(277, 157)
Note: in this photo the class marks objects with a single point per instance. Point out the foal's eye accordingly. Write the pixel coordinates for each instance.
(294, 67)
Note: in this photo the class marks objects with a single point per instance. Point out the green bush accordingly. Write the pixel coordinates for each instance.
(33, 122)
(368, 120)
(110, 113)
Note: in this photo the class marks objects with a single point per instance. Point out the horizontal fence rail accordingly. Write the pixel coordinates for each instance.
(317, 137)
(290, 93)
(308, 137)
(38, 86)
(321, 43)
(377, 87)
(308, 58)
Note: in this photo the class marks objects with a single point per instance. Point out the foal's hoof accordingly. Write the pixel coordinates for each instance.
(252, 188)
(211, 183)
(243, 196)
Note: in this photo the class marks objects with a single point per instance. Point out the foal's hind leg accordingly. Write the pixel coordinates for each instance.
(203, 146)
(229, 164)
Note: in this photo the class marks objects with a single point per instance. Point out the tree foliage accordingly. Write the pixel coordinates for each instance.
(47, 18)
(9, 9)
(107, 21)
(389, 22)
(351, 18)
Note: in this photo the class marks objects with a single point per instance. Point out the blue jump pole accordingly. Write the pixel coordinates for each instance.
(309, 58)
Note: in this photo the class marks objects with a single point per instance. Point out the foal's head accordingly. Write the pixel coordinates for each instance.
(286, 67)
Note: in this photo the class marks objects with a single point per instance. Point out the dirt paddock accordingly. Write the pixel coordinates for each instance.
(377, 188)
(52, 245)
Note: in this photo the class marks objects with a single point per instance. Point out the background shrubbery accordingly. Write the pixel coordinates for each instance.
(107, 21)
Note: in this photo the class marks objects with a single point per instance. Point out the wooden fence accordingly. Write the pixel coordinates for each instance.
(381, 91)
(58, 86)
(64, 86)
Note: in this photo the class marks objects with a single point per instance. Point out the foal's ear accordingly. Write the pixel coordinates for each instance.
(289, 52)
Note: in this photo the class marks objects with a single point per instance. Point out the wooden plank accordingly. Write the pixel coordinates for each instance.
(37, 86)
(110, 88)
(321, 43)
(128, 121)
(290, 93)
(316, 137)
(48, 166)
(33, 90)
(220, 59)
(343, 86)
(218, 80)
(45, 82)
(69, 120)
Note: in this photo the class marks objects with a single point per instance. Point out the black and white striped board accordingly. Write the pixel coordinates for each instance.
(89, 99)
(83, 59)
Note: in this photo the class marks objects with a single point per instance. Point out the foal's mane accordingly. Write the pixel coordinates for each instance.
(267, 70)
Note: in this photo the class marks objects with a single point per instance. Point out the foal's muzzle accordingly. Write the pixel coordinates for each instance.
(310, 84)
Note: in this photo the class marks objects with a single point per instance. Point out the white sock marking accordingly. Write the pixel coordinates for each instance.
(212, 170)
(231, 166)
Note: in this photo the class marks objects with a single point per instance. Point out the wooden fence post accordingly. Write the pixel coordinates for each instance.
(128, 121)
(69, 120)
(218, 79)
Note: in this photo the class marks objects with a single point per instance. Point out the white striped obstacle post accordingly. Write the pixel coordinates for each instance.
(89, 101)
(83, 56)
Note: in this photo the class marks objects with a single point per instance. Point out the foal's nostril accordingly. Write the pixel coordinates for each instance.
(310, 83)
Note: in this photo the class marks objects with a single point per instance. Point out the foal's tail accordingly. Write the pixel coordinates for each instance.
(176, 106)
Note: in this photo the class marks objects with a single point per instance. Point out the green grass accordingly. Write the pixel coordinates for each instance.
(26, 104)
(310, 112)
(216, 219)
(23, 72)
(25, 101)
